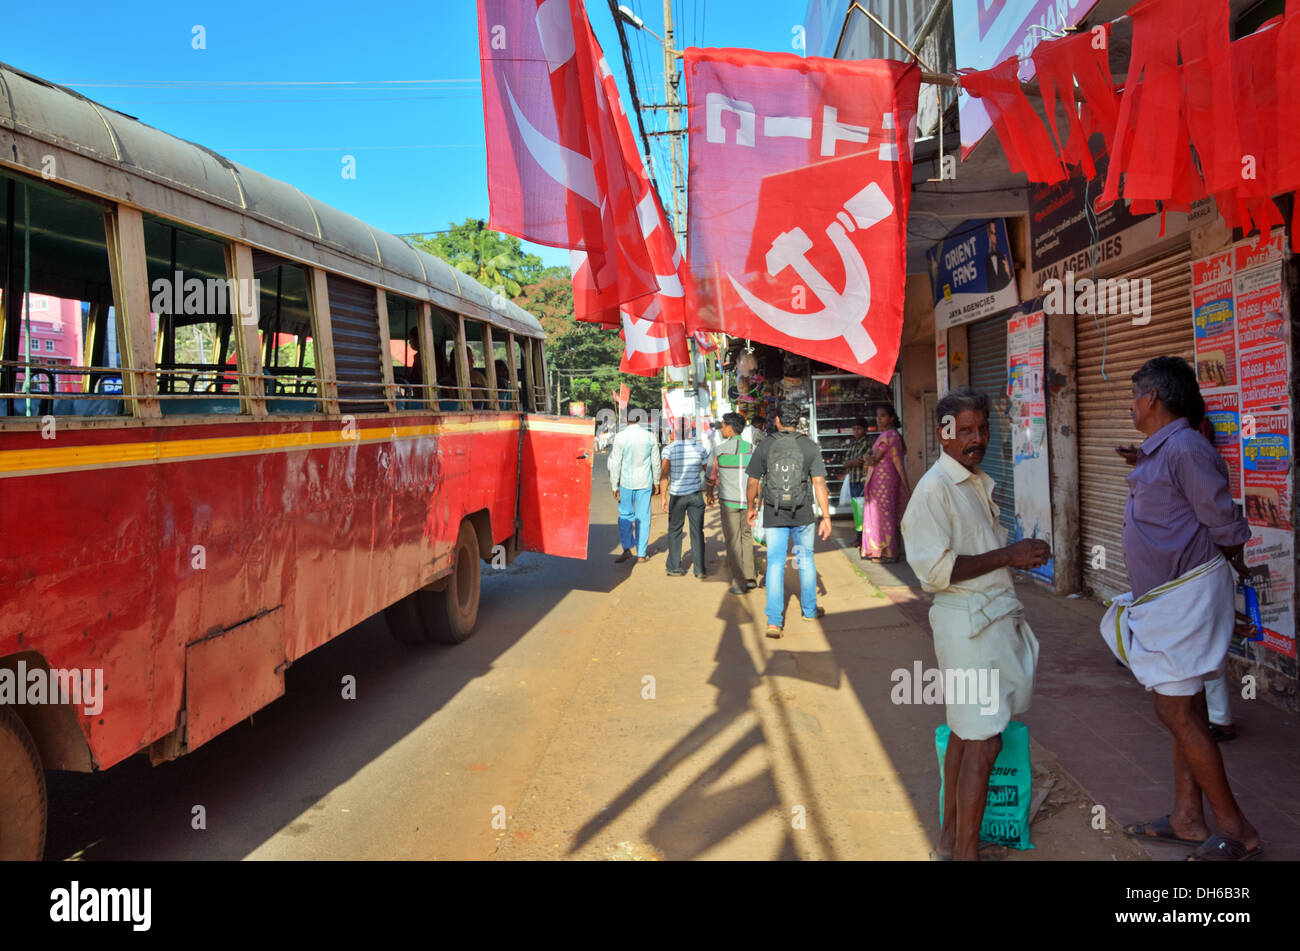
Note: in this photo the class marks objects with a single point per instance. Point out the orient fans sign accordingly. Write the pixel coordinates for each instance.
(800, 179)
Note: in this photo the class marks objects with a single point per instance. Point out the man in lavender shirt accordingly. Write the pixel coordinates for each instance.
(1182, 530)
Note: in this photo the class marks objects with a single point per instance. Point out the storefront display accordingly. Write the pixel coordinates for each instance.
(839, 399)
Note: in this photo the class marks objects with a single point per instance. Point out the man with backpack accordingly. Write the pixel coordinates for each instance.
(785, 473)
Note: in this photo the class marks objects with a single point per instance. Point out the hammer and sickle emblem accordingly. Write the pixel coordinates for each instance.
(843, 312)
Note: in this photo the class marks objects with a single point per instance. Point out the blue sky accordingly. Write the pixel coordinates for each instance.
(271, 96)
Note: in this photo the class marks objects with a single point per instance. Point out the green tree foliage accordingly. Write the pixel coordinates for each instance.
(498, 260)
(576, 345)
(490, 257)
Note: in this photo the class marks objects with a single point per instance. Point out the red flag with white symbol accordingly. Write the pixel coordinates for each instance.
(649, 344)
(556, 171)
(800, 179)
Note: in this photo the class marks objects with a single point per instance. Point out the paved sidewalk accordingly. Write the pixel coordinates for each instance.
(1099, 722)
(754, 748)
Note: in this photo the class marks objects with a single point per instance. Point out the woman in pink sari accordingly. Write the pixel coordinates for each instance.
(887, 491)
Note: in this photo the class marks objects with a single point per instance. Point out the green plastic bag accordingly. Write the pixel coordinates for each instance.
(1006, 813)
(859, 504)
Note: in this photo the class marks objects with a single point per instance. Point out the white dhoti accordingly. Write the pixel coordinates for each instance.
(1176, 635)
(982, 641)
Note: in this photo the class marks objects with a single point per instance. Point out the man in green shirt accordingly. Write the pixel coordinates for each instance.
(727, 478)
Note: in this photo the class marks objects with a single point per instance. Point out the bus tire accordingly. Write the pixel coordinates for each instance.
(453, 611)
(23, 806)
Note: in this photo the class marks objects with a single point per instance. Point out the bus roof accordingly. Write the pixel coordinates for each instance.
(121, 158)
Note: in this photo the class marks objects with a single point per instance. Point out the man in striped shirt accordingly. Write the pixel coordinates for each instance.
(681, 480)
(726, 477)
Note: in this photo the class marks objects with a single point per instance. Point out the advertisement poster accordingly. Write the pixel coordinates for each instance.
(971, 274)
(1249, 406)
(1264, 379)
(1028, 413)
(1216, 343)
(1266, 464)
(1221, 410)
(1259, 308)
(1271, 552)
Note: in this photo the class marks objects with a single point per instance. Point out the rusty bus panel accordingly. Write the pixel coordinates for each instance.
(232, 674)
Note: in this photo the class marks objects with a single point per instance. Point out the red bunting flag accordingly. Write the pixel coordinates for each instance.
(1288, 88)
(1167, 106)
(556, 172)
(1084, 59)
(1018, 127)
(800, 180)
(1249, 206)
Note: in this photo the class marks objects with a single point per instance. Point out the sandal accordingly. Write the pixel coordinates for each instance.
(1160, 829)
(1224, 848)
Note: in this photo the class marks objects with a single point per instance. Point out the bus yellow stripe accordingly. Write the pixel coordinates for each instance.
(66, 458)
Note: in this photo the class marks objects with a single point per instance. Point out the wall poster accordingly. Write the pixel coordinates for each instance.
(1243, 362)
(1028, 411)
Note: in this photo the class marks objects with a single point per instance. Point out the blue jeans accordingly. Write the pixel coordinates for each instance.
(634, 518)
(778, 541)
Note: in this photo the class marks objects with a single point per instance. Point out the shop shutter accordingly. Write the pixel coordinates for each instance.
(1104, 421)
(354, 317)
(986, 349)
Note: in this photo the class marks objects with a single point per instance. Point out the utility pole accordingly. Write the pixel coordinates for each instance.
(673, 101)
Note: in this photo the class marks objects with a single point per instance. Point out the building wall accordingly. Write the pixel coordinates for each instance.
(916, 363)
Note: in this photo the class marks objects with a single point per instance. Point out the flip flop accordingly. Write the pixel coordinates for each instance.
(1164, 831)
(1224, 848)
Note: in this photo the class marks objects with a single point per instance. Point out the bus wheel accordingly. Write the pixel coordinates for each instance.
(22, 793)
(453, 611)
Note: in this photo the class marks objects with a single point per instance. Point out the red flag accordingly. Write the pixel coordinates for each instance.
(1288, 87)
(650, 345)
(670, 274)
(1082, 58)
(800, 180)
(1249, 205)
(556, 172)
(1018, 127)
(1167, 106)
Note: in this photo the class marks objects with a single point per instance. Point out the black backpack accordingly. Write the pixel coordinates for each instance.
(786, 486)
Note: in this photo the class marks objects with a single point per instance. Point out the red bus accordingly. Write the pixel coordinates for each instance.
(283, 422)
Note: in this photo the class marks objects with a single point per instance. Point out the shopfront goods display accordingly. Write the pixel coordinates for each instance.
(838, 401)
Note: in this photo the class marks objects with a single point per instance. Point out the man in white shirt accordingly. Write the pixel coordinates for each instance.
(959, 553)
(633, 469)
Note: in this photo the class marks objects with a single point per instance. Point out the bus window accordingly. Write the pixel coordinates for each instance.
(477, 364)
(522, 349)
(507, 397)
(190, 303)
(285, 331)
(58, 332)
(354, 320)
(444, 355)
(404, 344)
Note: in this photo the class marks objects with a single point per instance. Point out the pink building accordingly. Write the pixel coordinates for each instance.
(56, 337)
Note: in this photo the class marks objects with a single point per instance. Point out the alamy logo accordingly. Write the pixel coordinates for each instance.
(73, 904)
(950, 685)
(81, 688)
(205, 297)
(1104, 296)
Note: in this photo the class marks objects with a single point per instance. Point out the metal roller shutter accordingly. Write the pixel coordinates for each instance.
(986, 348)
(354, 318)
(1104, 421)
